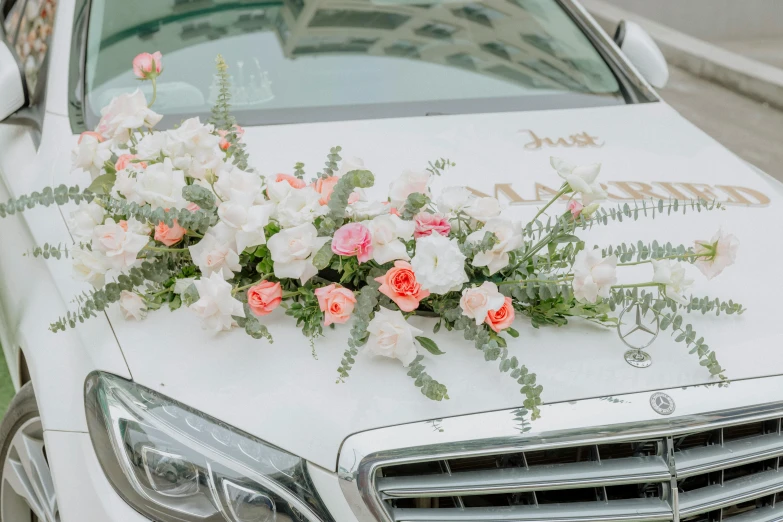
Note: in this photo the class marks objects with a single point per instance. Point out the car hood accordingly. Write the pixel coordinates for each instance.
(285, 392)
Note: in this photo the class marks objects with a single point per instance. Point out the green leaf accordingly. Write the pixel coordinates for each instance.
(429, 345)
(103, 183)
(513, 333)
(324, 256)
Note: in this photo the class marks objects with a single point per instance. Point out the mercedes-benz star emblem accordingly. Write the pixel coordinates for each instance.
(662, 403)
(638, 335)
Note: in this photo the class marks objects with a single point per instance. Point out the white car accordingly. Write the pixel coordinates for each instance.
(125, 422)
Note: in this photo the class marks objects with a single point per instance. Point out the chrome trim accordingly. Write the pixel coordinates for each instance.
(565, 476)
(597, 421)
(710, 458)
(609, 50)
(730, 493)
(765, 514)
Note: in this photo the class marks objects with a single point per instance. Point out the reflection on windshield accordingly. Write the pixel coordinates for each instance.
(315, 57)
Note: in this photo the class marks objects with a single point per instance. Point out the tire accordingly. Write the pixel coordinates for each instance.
(26, 487)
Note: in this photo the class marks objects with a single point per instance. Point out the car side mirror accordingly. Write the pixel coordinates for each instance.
(13, 85)
(643, 52)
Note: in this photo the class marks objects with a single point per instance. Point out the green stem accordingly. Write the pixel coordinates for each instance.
(254, 283)
(521, 281)
(164, 249)
(562, 192)
(637, 285)
(154, 92)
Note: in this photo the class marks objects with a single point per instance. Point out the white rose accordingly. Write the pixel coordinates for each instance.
(349, 164)
(84, 219)
(716, 254)
(89, 266)
(152, 145)
(672, 275)
(476, 302)
(132, 306)
(292, 251)
(361, 210)
(216, 306)
(181, 285)
(581, 179)
(453, 200)
(216, 253)
(200, 148)
(438, 264)
(392, 336)
(118, 244)
(138, 227)
(91, 153)
(232, 178)
(483, 209)
(247, 218)
(125, 113)
(593, 275)
(161, 185)
(299, 206)
(126, 185)
(410, 182)
(388, 233)
(509, 238)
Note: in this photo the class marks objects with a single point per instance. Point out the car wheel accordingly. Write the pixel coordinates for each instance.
(26, 486)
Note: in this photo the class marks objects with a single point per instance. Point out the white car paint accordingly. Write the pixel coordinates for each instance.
(279, 392)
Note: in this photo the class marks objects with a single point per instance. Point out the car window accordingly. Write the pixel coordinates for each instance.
(315, 60)
(12, 12)
(32, 40)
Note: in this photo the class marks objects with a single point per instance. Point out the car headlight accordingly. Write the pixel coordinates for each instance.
(175, 464)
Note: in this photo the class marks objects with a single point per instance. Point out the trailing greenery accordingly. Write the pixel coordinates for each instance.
(59, 195)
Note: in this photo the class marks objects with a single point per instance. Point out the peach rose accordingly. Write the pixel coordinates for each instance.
(353, 239)
(264, 297)
(292, 180)
(169, 235)
(92, 134)
(426, 223)
(399, 284)
(124, 161)
(336, 303)
(325, 187)
(143, 65)
(192, 207)
(501, 319)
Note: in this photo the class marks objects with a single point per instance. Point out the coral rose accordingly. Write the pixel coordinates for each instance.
(291, 180)
(501, 319)
(325, 187)
(169, 235)
(353, 239)
(399, 284)
(143, 65)
(264, 297)
(336, 303)
(124, 161)
(426, 223)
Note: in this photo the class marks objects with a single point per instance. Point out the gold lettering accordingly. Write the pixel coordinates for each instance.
(637, 189)
(536, 143)
(506, 190)
(669, 187)
(737, 197)
(700, 190)
(585, 140)
(544, 193)
(477, 192)
(612, 196)
(580, 140)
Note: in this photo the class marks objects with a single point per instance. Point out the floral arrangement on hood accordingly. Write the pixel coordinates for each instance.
(179, 218)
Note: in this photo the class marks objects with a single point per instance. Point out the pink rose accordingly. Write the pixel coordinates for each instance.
(292, 180)
(124, 161)
(353, 239)
(336, 303)
(264, 297)
(143, 65)
(426, 223)
(192, 207)
(168, 235)
(575, 207)
(91, 134)
(224, 143)
(399, 284)
(325, 187)
(502, 318)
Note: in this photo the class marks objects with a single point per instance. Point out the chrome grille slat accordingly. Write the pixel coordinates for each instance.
(710, 458)
(563, 476)
(715, 472)
(638, 510)
(731, 492)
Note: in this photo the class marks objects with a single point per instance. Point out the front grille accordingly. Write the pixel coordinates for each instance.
(733, 472)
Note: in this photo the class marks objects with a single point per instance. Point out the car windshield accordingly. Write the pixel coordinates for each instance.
(319, 60)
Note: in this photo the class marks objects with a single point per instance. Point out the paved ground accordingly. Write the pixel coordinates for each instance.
(769, 51)
(752, 130)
